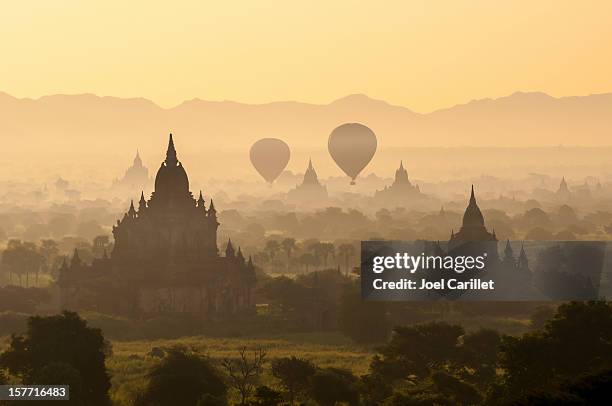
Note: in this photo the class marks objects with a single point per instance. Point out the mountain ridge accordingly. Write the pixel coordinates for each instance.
(518, 119)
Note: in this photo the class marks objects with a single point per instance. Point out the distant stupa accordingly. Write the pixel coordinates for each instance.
(563, 193)
(310, 190)
(135, 177)
(401, 190)
(473, 227)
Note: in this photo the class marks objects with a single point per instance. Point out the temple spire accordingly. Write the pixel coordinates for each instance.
(137, 160)
(171, 153)
(211, 208)
(239, 255)
(229, 250)
(201, 202)
(76, 260)
(142, 204)
(132, 210)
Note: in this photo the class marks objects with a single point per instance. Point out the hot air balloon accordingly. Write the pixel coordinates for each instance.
(352, 146)
(270, 156)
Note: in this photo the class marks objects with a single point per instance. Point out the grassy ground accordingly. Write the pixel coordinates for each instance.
(129, 363)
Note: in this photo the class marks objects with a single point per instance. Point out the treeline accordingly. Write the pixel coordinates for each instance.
(326, 300)
(22, 263)
(535, 222)
(566, 362)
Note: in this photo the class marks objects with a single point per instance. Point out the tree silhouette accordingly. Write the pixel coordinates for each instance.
(183, 378)
(308, 260)
(22, 258)
(49, 252)
(346, 251)
(288, 246)
(333, 385)
(266, 396)
(61, 347)
(244, 373)
(294, 374)
(272, 247)
(364, 322)
(418, 350)
(577, 340)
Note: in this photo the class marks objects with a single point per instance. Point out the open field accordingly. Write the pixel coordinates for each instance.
(130, 361)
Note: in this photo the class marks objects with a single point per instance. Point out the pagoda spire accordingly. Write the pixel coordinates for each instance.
(132, 211)
(201, 201)
(76, 260)
(137, 160)
(171, 159)
(229, 250)
(473, 216)
(523, 262)
(211, 209)
(142, 204)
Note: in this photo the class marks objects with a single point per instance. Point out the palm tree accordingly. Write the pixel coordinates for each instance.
(22, 257)
(272, 247)
(307, 260)
(346, 251)
(288, 245)
(328, 250)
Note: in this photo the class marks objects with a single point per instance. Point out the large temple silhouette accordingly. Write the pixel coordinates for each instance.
(165, 258)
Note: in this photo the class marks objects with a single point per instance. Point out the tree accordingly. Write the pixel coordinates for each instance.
(577, 340)
(308, 260)
(588, 389)
(183, 378)
(266, 396)
(328, 250)
(332, 385)
(22, 258)
(363, 322)
(478, 356)
(294, 374)
(61, 373)
(49, 252)
(346, 251)
(61, 346)
(272, 247)
(244, 373)
(540, 316)
(288, 246)
(459, 392)
(418, 350)
(322, 251)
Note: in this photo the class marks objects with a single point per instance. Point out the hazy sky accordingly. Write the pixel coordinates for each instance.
(421, 54)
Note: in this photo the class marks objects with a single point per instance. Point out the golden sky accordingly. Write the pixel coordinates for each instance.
(420, 54)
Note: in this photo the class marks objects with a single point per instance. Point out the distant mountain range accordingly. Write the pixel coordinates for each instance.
(521, 119)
